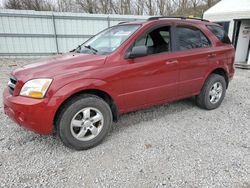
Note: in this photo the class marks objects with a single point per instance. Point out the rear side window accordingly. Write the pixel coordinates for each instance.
(224, 25)
(219, 33)
(190, 38)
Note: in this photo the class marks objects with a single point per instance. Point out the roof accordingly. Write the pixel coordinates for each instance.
(228, 10)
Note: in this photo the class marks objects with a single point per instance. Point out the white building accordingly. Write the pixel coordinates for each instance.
(234, 16)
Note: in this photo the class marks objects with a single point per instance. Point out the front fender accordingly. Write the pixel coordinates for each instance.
(65, 92)
(80, 85)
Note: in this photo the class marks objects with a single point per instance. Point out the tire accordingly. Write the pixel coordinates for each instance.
(205, 99)
(77, 124)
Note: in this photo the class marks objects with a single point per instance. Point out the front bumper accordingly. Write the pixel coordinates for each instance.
(34, 114)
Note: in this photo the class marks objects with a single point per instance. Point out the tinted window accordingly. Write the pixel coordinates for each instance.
(225, 25)
(219, 33)
(189, 38)
(165, 36)
(157, 40)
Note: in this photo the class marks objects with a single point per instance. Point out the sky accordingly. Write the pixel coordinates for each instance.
(1, 2)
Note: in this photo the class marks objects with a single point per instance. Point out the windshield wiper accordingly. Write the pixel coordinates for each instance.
(91, 48)
(76, 49)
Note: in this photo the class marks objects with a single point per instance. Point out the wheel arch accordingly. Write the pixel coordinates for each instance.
(220, 71)
(97, 92)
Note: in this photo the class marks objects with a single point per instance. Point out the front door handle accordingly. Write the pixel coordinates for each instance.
(212, 55)
(168, 62)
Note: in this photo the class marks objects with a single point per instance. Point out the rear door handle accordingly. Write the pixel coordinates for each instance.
(168, 62)
(212, 55)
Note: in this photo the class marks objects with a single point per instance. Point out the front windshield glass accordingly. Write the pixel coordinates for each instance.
(108, 40)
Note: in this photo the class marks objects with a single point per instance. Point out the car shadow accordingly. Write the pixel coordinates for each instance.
(155, 112)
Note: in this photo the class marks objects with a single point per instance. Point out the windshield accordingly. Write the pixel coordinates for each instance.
(108, 40)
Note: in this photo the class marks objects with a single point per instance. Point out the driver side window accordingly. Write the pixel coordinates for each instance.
(144, 41)
(157, 41)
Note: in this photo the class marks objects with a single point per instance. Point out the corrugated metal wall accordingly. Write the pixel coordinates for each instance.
(33, 33)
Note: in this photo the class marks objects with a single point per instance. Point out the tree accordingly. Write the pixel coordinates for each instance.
(29, 5)
(150, 7)
(88, 6)
(164, 7)
(181, 6)
(138, 7)
(195, 3)
(210, 3)
(66, 6)
(13, 4)
(106, 6)
(134, 7)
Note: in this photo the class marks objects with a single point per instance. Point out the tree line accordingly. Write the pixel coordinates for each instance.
(133, 7)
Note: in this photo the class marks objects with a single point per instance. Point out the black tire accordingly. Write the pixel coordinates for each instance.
(203, 99)
(70, 109)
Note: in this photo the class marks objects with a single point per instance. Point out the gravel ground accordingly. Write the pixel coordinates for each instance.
(172, 145)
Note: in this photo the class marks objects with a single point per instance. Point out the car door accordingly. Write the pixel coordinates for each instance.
(151, 79)
(193, 56)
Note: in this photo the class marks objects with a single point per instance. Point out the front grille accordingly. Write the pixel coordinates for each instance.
(12, 84)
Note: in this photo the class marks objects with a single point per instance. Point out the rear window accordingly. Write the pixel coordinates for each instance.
(219, 33)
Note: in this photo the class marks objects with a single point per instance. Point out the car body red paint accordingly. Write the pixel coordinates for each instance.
(131, 83)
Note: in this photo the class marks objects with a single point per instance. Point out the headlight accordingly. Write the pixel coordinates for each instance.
(36, 88)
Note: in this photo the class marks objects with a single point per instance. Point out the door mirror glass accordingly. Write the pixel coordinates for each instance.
(138, 51)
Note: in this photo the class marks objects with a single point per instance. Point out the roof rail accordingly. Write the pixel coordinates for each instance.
(175, 17)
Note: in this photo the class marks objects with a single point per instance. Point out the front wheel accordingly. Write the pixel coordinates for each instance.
(212, 93)
(84, 122)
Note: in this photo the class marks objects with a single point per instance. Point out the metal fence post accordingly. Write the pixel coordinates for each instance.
(55, 34)
(108, 20)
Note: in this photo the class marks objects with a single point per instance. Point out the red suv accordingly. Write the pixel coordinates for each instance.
(124, 68)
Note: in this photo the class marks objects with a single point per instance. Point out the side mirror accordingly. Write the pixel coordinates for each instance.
(138, 51)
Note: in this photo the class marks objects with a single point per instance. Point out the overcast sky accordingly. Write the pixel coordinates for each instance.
(1, 2)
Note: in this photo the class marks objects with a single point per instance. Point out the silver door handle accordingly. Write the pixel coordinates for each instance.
(168, 62)
(212, 55)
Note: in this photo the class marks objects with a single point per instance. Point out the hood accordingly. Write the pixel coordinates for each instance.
(58, 65)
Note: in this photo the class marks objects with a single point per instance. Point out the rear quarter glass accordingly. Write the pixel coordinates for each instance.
(219, 33)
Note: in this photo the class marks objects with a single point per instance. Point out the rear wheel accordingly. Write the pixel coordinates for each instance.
(84, 122)
(212, 93)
